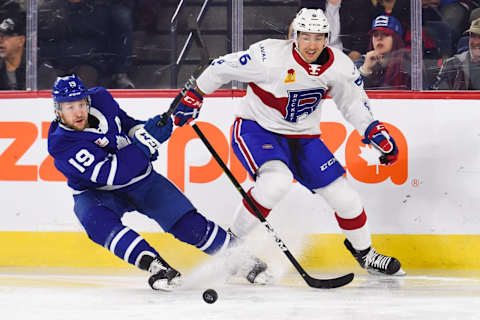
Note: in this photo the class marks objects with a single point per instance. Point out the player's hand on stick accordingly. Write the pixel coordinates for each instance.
(151, 136)
(189, 107)
(378, 136)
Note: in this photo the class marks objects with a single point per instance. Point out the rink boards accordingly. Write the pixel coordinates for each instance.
(425, 209)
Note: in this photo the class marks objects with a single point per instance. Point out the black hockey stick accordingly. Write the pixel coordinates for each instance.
(312, 282)
(191, 82)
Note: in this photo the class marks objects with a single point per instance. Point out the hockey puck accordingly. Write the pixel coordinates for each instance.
(210, 296)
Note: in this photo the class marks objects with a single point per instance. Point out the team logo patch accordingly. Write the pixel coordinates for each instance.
(301, 103)
(290, 76)
(122, 142)
(102, 142)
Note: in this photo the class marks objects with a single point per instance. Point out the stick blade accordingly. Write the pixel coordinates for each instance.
(329, 283)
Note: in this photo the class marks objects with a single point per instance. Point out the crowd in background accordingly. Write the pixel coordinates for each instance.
(376, 34)
(95, 39)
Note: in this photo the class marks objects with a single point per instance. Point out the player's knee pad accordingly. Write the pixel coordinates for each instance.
(196, 230)
(342, 198)
(274, 179)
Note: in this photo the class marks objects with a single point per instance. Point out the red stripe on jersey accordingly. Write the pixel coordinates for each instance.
(313, 71)
(264, 211)
(268, 99)
(352, 224)
(243, 147)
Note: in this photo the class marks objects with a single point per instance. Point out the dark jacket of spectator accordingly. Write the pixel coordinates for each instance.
(5, 83)
(455, 73)
(462, 71)
(12, 52)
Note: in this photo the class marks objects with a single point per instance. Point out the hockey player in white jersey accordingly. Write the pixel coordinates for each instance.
(276, 131)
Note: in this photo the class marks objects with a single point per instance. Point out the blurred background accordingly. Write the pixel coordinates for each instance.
(146, 44)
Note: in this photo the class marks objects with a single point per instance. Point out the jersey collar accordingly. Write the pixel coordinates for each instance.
(313, 69)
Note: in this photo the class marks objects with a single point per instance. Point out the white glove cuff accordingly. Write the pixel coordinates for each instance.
(147, 140)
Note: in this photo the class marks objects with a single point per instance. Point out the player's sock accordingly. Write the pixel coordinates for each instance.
(128, 245)
(163, 277)
(374, 262)
(196, 230)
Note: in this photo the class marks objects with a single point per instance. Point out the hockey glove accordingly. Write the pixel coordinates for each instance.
(378, 136)
(189, 108)
(151, 136)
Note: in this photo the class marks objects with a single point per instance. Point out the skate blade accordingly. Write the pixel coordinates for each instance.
(164, 285)
(263, 279)
(399, 273)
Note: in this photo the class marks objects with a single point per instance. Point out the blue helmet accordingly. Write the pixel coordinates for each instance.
(68, 88)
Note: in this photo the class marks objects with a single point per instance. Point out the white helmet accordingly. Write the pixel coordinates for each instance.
(310, 20)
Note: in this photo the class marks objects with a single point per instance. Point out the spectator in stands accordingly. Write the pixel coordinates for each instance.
(12, 57)
(387, 65)
(462, 71)
(92, 38)
(462, 44)
(349, 24)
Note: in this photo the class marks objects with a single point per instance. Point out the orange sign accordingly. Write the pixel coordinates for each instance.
(361, 161)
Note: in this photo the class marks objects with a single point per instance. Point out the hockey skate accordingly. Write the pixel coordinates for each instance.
(163, 276)
(248, 266)
(256, 272)
(374, 262)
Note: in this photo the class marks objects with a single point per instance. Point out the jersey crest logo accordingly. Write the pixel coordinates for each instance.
(290, 76)
(301, 103)
(102, 142)
(314, 69)
(122, 142)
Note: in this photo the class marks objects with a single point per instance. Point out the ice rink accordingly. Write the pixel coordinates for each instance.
(69, 294)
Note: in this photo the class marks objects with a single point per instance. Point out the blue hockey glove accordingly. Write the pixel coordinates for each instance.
(151, 136)
(189, 108)
(378, 136)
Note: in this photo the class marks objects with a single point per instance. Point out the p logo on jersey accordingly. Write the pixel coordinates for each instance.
(302, 102)
(290, 76)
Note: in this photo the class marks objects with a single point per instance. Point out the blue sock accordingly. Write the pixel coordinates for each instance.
(193, 228)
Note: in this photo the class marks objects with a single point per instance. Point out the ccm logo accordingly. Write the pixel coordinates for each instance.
(327, 164)
(192, 102)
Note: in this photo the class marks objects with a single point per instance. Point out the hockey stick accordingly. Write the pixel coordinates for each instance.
(312, 282)
(191, 82)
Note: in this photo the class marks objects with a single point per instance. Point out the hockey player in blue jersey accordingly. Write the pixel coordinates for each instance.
(106, 156)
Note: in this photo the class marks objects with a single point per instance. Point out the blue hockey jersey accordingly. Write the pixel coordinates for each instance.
(102, 156)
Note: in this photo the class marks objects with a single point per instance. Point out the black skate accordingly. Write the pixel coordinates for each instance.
(258, 272)
(163, 276)
(374, 262)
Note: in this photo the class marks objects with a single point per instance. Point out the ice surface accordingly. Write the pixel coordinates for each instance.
(89, 294)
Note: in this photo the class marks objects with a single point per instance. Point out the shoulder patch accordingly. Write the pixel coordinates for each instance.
(290, 76)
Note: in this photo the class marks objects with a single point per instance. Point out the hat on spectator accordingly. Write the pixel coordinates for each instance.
(474, 27)
(12, 27)
(474, 15)
(387, 24)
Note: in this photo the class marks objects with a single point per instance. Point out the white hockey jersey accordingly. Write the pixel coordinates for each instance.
(285, 94)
